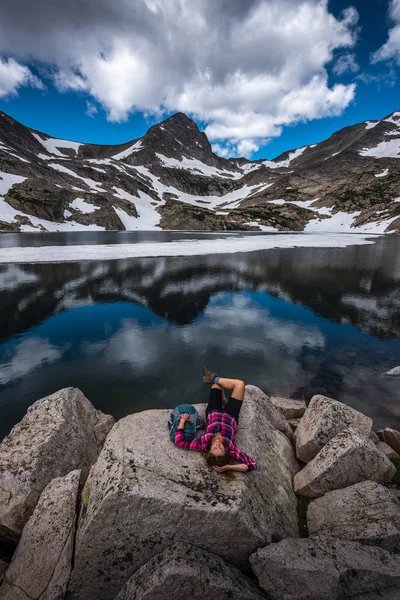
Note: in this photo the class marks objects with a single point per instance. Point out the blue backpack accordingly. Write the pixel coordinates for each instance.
(195, 423)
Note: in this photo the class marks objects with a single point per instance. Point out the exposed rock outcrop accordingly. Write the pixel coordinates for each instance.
(320, 569)
(274, 414)
(188, 572)
(365, 512)
(348, 458)
(322, 421)
(41, 566)
(58, 434)
(145, 493)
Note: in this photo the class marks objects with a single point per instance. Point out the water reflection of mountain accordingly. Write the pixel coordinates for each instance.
(358, 285)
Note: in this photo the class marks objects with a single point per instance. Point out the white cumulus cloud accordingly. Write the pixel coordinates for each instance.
(391, 49)
(13, 75)
(245, 68)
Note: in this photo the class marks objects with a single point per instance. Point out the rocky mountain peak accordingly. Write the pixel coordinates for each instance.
(178, 136)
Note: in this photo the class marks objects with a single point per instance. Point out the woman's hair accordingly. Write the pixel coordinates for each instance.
(216, 461)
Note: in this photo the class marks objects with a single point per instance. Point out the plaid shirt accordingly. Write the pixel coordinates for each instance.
(217, 421)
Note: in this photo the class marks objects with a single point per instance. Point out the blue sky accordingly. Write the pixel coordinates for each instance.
(260, 77)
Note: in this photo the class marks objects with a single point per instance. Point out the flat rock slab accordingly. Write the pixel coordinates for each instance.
(320, 569)
(292, 409)
(387, 450)
(391, 437)
(187, 572)
(58, 434)
(41, 566)
(365, 512)
(347, 459)
(322, 421)
(144, 492)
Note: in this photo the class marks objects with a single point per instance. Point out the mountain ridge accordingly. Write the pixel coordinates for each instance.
(170, 179)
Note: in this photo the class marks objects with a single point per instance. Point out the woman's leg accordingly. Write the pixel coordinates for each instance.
(235, 402)
(215, 398)
(235, 385)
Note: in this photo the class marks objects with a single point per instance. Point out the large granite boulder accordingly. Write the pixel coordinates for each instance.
(390, 437)
(41, 566)
(144, 492)
(322, 421)
(183, 571)
(58, 434)
(320, 569)
(348, 458)
(275, 415)
(365, 512)
(292, 409)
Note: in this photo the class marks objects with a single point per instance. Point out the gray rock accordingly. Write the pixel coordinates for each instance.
(395, 372)
(387, 450)
(294, 423)
(373, 436)
(320, 569)
(365, 512)
(41, 566)
(3, 568)
(292, 409)
(348, 458)
(322, 421)
(390, 437)
(144, 492)
(182, 571)
(275, 415)
(58, 434)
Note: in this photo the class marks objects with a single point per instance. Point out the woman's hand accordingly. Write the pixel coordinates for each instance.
(221, 469)
(185, 416)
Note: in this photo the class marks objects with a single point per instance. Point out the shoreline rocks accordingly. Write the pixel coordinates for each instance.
(183, 571)
(348, 458)
(154, 521)
(41, 565)
(58, 434)
(145, 493)
(322, 569)
(365, 512)
(322, 421)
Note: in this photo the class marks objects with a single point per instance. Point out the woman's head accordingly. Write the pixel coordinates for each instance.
(217, 456)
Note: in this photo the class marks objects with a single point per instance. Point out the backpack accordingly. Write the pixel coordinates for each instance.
(195, 423)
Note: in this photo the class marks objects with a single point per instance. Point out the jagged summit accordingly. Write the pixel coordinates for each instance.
(170, 179)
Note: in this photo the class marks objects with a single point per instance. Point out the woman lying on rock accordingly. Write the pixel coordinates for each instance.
(218, 438)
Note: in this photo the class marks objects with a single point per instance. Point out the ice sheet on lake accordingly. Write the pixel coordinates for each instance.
(221, 244)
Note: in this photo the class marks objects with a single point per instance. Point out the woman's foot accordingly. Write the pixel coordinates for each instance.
(208, 376)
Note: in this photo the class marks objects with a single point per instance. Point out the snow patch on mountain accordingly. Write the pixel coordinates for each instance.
(383, 174)
(94, 185)
(52, 145)
(390, 149)
(371, 124)
(125, 153)
(285, 163)
(82, 206)
(196, 166)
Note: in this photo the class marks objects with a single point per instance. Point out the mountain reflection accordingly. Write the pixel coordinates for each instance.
(133, 334)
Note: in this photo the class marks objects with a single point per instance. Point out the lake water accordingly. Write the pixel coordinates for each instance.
(134, 333)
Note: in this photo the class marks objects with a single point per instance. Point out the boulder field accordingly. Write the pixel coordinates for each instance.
(96, 510)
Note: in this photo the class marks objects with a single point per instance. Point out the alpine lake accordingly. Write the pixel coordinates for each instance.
(134, 333)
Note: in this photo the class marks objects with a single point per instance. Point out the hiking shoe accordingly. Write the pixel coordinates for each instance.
(208, 376)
